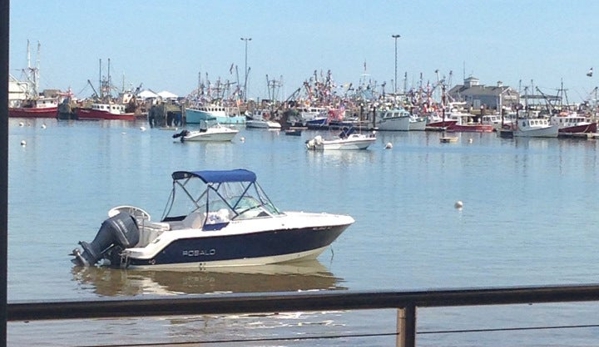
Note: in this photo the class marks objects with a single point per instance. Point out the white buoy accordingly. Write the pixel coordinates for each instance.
(44, 126)
(21, 124)
(242, 139)
(142, 128)
(23, 143)
(469, 140)
(458, 204)
(389, 145)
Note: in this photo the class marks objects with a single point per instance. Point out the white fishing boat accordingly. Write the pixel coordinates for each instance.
(222, 114)
(534, 127)
(213, 218)
(348, 139)
(496, 121)
(396, 119)
(418, 123)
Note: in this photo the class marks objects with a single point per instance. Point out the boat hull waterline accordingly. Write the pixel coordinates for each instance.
(269, 247)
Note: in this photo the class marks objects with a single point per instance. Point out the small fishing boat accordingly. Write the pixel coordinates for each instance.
(35, 108)
(214, 218)
(534, 127)
(573, 123)
(105, 111)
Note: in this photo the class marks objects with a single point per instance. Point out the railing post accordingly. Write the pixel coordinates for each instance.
(406, 326)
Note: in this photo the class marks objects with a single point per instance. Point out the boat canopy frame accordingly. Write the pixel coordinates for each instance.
(234, 190)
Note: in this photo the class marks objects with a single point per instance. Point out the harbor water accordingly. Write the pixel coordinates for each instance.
(529, 217)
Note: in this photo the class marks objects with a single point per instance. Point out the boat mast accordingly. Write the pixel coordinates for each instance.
(32, 73)
(108, 91)
(100, 81)
(36, 70)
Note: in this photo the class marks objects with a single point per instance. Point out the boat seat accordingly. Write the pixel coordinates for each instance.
(194, 220)
(220, 216)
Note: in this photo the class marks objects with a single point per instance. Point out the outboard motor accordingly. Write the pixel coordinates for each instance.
(119, 231)
(182, 135)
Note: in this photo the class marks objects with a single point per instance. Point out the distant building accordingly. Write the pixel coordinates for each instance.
(476, 95)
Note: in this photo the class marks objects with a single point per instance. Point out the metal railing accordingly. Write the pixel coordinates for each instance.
(406, 302)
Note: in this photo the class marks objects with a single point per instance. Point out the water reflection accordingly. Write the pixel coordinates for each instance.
(308, 275)
(343, 158)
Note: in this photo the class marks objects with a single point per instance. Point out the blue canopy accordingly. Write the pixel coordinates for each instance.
(218, 176)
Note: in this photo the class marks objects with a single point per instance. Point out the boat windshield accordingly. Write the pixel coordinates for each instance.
(238, 199)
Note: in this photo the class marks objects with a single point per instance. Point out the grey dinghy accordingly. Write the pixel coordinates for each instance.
(212, 219)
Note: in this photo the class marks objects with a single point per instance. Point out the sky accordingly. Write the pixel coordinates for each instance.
(168, 45)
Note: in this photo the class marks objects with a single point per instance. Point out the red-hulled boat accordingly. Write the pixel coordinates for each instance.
(572, 123)
(105, 111)
(39, 108)
(472, 128)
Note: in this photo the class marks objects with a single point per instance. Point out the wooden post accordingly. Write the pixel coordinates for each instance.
(406, 327)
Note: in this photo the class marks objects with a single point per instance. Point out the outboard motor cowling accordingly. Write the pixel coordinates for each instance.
(121, 230)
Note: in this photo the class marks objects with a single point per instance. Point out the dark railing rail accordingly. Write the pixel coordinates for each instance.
(406, 302)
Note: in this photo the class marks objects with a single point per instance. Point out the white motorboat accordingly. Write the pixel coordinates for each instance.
(261, 119)
(346, 140)
(214, 132)
(534, 127)
(213, 219)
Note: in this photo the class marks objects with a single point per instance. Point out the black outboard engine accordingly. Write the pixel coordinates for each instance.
(120, 231)
(182, 135)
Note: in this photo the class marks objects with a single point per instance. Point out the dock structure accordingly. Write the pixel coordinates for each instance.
(166, 114)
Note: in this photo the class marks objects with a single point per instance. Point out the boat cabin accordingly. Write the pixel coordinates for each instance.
(110, 108)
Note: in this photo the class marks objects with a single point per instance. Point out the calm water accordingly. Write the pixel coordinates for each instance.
(529, 218)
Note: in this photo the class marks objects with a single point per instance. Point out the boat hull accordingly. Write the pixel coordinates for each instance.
(401, 123)
(472, 128)
(91, 114)
(589, 128)
(211, 136)
(259, 124)
(441, 125)
(551, 132)
(417, 125)
(32, 112)
(349, 145)
(258, 248)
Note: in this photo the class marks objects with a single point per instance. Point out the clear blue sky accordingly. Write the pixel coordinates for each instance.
(166, 44)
